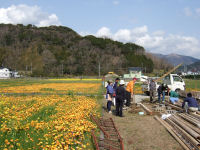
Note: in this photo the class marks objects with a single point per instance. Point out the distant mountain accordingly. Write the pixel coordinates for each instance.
(176, 59)
(194, 66)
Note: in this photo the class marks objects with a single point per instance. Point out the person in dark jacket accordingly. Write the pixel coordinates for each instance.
(161, 91)
(120, 97)
(116, 84)
(192, 102)
(115, 88)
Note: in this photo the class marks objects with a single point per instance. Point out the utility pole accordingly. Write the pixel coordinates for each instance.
(31, 68)
(99, 69)
(62, 69)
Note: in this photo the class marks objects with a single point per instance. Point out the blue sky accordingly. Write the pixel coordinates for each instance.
(161, 26)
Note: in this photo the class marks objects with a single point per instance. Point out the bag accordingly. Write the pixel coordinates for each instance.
(114, 101)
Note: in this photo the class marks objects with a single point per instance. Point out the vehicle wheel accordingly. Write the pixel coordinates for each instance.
(147, 93)
(177, 91)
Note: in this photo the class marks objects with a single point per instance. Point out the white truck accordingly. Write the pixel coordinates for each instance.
(173, 81)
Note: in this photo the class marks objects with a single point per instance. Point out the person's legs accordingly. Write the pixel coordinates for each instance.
(120, 108)
(159, 96)
(117, 107)
(154, 96)
(151, 95)
(172, 100)
(109, 103)
(193, 109)
(163, 96)
(128, 98)
(176, 99)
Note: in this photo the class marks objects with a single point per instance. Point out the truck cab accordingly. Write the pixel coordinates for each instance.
(174, 82)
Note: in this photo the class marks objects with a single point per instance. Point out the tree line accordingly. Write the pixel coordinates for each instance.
(58, 50)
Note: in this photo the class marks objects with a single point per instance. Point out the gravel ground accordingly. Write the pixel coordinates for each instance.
(141, 132)
(139, 98)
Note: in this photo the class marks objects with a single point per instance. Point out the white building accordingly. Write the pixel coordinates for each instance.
(5, 73)
(134, 72)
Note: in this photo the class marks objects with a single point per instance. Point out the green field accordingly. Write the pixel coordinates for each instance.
(192, 84)
(21, 82)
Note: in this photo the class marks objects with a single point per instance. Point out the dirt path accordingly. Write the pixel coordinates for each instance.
(142, 132)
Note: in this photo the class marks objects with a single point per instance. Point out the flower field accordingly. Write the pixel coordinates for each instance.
(53, 87)
(47, 121)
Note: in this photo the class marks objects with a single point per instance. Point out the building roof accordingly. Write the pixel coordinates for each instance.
(134, 69)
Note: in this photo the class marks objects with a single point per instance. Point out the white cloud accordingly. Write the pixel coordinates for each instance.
(140, 30)
(123, 34)
(198, 11)
(157, 42)
(104, 32)
(24, 14)
(115, 2)
(188, 11)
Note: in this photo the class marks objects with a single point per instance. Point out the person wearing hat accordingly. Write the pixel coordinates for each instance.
(152, 87)
(129, 91)
(109, 95)
(120, 97)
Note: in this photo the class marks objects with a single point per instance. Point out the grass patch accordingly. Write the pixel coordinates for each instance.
(192, 84)
(31, 81)
(43, 114)
(47, 89)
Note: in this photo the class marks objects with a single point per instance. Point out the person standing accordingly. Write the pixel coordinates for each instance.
(109, 95)
(115, 88)
(129, 91)
(116, 84)
(152, 87)
(120, 97)
(161, 91)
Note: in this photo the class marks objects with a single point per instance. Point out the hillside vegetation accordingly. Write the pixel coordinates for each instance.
(58, 50)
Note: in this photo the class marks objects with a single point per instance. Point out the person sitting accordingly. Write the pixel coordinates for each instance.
(174, 97)
(191, 102)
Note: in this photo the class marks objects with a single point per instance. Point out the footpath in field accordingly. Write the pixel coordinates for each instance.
(141, 132)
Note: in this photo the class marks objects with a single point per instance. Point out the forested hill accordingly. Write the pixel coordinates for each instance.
(58, 50)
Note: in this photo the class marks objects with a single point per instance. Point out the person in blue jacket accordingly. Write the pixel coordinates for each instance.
(109, 95)
(192, 102)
